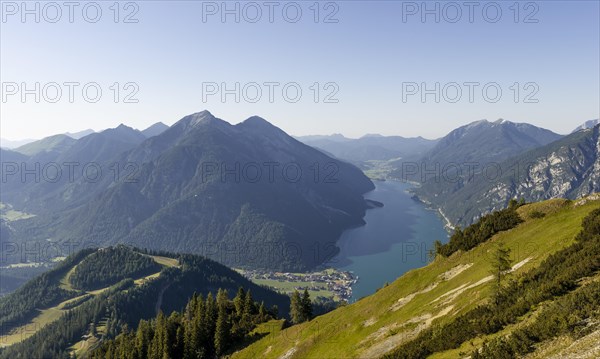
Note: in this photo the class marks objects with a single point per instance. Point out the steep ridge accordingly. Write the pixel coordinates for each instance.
(567, 168)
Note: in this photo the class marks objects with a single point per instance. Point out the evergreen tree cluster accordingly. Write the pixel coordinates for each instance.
(481, 231)
(557, 278)
(301, 308)
(206, 328)
(124, 304)
(110, 265)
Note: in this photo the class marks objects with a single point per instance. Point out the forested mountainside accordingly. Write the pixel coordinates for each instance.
(247, 195)
(95, 294)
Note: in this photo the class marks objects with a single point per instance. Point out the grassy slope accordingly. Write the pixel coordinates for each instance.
(380, 322)
(48, 315)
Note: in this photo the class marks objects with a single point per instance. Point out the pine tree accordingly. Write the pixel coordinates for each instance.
(156, 349)
(222, 329)
(190, 308)
(262, 312)
(275, 311)
(198, 335)
(249, 305)
(500, 264)
(239, 302)
(437, 249)
(179, 347)
(208, 323)
(246, 322)
(143, 337)
(296, 308)
(307, 310)
(222, 297)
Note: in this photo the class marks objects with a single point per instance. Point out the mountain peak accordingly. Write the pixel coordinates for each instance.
(202, 115)
(257, 121)
(257, 125)
(587, 125)
(122, 133)
(155, 130)
(122, 127)
(372, 135)
(197, 119)
(501, 121)
(475, 124)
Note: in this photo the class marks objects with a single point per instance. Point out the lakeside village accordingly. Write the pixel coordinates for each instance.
(329, 283)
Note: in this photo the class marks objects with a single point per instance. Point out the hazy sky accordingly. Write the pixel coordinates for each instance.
(367, 56)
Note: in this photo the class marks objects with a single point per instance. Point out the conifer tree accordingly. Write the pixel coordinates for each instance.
(208, 323)
(239, 301)
(500, 264)
(262, 312)
(222, 328)
(307, 310)
(157, 349)
(296, 308)
(143, 338)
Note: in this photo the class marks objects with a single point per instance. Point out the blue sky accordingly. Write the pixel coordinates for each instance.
(368, 56)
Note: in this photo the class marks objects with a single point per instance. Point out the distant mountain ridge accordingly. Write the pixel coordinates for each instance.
(484, 141)
(57, 144)
(80, 134)
(12, 144)
(369, 147)
(566, 168)
(155, 130)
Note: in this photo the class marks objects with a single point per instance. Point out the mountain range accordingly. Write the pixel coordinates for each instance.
(194, 176)
(247, 195)
(151, 131)
(520, 278)
(478, 168)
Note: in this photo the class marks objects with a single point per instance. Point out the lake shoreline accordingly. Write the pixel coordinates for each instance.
(393, 240)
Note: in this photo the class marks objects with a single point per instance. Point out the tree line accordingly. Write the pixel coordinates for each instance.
(206, 328)
(484, 229)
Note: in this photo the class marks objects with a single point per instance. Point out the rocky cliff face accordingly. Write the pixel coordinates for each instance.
(567, 168)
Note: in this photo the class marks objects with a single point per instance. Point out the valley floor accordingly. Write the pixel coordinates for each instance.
(328, 283)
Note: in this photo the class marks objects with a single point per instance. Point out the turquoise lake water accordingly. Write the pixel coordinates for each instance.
(396, 239)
